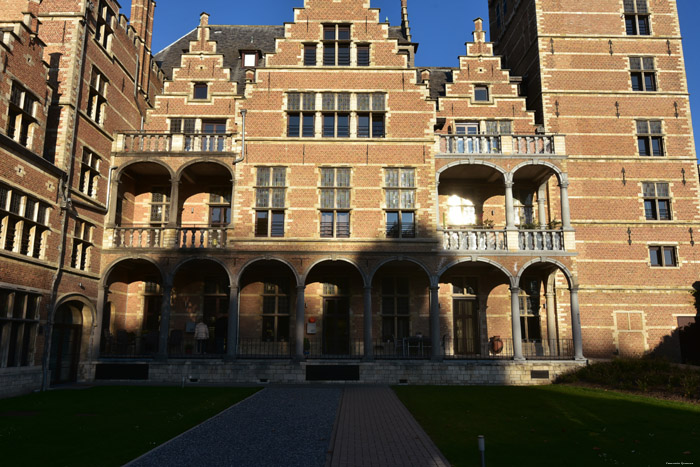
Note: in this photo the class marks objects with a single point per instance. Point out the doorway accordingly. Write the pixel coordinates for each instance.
(466, 326)
(336, 326)
(65, 344)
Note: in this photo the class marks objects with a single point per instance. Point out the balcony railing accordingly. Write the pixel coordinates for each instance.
(518, 145)
(201, 237)
(544, 349)
(175, 142)
(137, 237)
(470, 144)
(533, 144)
(475, 240)
(541, 240)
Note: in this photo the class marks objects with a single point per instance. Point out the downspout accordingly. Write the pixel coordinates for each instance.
(66, 206)
(235, 162)
(240, 159)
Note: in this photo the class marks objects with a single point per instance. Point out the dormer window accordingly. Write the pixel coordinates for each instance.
(201, 91)
(249, 59)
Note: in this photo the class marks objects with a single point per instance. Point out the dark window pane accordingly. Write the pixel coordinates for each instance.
(481, 93)
(343, 55)
(329, 125)
(649, 82)
(343, 126)
(268, 328)
(387, 287)
(363, 126)
(407, 225)
(342, 228)
(650, 209)
(630, 25)
(293, 126)
(644, 25)
(363, 55)
(644, 149)
(377, 126)
(283, 328)
(655, 255)
(261, 221)
(310, 55)
(669, 257)
(388, 332)
(326, 224)
(392, 224)
(308, 129)
(636, 81)
(664, 210)
(329, 33)
(277, 227)
(343, 33)
(329, 54)
(200, 91)
(657, 147)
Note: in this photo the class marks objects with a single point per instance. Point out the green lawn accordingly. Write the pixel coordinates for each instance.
(555, 425)
(102, 426)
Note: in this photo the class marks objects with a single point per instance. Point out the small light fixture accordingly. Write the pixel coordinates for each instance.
(692, 240)
(624, 176)
(683, 173)
(629, 236)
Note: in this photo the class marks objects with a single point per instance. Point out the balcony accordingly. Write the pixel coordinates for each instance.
(159, 142)
(541, 240)
(474, 240)
(502, 145)
(196, 237)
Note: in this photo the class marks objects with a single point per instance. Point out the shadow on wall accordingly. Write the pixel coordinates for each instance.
(683, 344)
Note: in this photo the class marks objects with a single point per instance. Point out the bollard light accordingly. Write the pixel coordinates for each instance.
(482, 450)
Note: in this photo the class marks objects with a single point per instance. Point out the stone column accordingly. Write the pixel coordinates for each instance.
(515, 321)
(576, 324)
(232, 339)
(510, 210)
(551, 322)
(299, 327)
(369, 344)
(113, 200)
(542, 205)
(435, 323)
(565, 212)
(171, 237)
(97, 337)
(164, 322)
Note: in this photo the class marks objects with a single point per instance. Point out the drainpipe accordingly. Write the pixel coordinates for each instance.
(66, 207)
(240, 159)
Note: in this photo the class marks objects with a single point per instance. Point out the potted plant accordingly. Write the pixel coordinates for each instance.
(554, 224)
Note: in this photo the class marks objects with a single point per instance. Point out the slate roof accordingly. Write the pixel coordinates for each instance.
(231, 40)
(438, 78)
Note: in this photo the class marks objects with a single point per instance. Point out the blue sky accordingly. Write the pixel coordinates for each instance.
(441, 27)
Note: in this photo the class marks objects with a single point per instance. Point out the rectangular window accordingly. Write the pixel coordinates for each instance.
(336, 45)
(481, 93)
(637, 18)
(371, 124)
(650, 140)
(395, 308)
(399, 189)
(82, 245)
(21, 121)
(19, 319)
(90, 173)
(270, 194)
(97, 97)
(201, 91)
(643, 73)
(663, 256)
(23, 223)
(160, 206)
(104, 29)
(530, 310)
(301, 123)
(363, 55)
(275, 311)
(335, 202)
(250, 59)
(213, 135)
(220, 207)
(310, 55)
(657, 201)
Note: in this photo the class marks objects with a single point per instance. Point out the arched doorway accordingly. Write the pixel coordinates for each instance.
(65, 343)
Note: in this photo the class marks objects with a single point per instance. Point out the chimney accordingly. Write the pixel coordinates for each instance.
(142, 20)
(405, 28)
(479, 33)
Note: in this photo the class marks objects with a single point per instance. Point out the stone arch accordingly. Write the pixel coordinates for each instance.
(304, 276)
(114, 264)
(251, 262)
(122, 168)
(561, 175)
(570, 278)
(202, 160)
(497, 265)
(76, 297)
(502, 171)
(373, 272)
(171, 274)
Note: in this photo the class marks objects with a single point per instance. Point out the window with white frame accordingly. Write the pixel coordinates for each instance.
(19, 319)
(270, 191)
(335, 202)
(21, 120)
(97, 97)
(400, 193)
(82, 245)
(160, 206)
(90, 173)
(23, 223)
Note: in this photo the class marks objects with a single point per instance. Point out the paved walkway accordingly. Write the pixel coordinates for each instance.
(374, 429)
(305, 426)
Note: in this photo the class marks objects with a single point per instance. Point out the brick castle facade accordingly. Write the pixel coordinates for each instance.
(301, 202)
